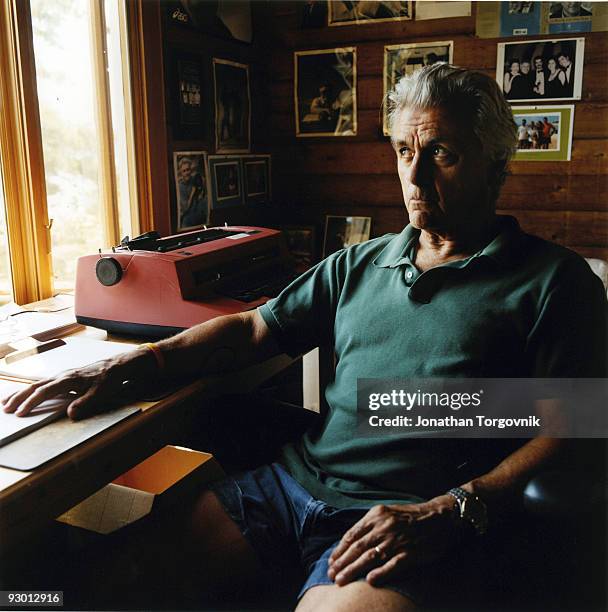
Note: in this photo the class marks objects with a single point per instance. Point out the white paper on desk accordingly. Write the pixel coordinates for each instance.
(75, 353)
(23, 324)
(13, 427)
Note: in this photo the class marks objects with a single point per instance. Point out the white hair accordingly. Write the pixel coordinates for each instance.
(474, 95)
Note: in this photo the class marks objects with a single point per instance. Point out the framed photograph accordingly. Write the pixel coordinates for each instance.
(569, 16)
(301, 245)
(191, 189)
(536, 70)
(256, 178)
(232, 106)
(544, 133)
(520, 18)
(357, 12)
(400, 60)
(226, 178)
(342, 232)
(187, 103)
(325, 92)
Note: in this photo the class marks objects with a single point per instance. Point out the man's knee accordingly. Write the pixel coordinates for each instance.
(354, 597)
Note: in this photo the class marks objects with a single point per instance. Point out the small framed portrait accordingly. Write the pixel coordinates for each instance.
(301, 245)
(325, 92)
(519, 18)
(544, 133)
(256, 178)
(191, 189)
(187, 103)
(358, 12)
(232, 106)
(342, 232)
(400, 60)
(226, 178)
(541, 69)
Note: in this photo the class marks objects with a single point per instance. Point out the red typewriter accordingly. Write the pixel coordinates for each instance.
(155, 287)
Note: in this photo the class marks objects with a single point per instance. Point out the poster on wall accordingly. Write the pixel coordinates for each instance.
(360, 13)
(541, 69)
(190, 85)
(191, 189)
(232, 106)
(256, 178)
(400, 60)
(226, 178)
(430, 9)
(529, 18)
(325, 92)
(544, 133)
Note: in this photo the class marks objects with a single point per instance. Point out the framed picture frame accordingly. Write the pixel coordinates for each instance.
(313, 14)
(536, 70)
(359, 13)
(342, 232)
(400, 60)
(226, 181)
(256, 178)
(544, 133)
(191, 189)
(301, 243)
(442, 9)
(325, 92)
(232, 106)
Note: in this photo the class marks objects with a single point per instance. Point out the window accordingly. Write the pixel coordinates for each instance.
(70, 100)
(6, 285)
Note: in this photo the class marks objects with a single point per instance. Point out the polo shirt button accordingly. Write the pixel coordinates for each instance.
(409, 275)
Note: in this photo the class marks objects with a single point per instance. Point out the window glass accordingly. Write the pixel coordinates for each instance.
(67, 99)
(6, 287)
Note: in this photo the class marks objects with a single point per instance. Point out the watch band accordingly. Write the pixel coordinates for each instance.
(471, 509)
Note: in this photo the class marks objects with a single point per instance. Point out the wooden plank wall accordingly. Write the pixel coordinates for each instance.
(312, 177)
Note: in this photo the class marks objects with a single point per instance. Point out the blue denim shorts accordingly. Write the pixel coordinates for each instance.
(287, 527)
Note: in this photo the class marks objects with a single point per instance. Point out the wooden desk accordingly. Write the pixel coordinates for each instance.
(29, 500)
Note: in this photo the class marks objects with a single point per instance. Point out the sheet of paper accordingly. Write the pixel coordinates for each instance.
(75, 353)
(13, 427)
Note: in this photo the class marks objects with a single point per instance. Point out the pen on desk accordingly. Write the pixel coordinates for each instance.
(41, 348)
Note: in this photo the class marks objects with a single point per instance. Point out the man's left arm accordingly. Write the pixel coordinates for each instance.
(390, 538)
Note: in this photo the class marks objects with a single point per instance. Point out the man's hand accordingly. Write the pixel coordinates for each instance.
(94, 389)
(389, 539)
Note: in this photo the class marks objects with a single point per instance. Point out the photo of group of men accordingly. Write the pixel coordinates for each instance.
(537, 132)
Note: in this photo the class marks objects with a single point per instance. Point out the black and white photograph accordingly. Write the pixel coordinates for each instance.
(256, 178)
(225, 174)
(232, 106)
(326, 92)
(191, 190)
(342, 232)
(400, 60)
(357, 12)
(544, 133)
(541, 69)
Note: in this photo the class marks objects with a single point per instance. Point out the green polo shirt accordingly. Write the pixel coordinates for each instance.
(520, 307)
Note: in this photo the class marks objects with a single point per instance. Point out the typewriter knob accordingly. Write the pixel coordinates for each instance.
(108, 271)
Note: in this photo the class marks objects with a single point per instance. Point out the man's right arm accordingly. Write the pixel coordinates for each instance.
(223, 344)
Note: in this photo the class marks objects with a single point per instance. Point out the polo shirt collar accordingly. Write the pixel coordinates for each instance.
(501, 249)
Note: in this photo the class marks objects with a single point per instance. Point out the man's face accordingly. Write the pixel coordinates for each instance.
(443, 173)
(564, 61)
(571, 9)
(185, 171)
(538, 63)
(525, 67)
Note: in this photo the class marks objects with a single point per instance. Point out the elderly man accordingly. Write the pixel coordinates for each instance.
(384, 522)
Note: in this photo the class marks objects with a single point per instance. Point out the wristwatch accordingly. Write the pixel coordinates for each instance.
(471, 508)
